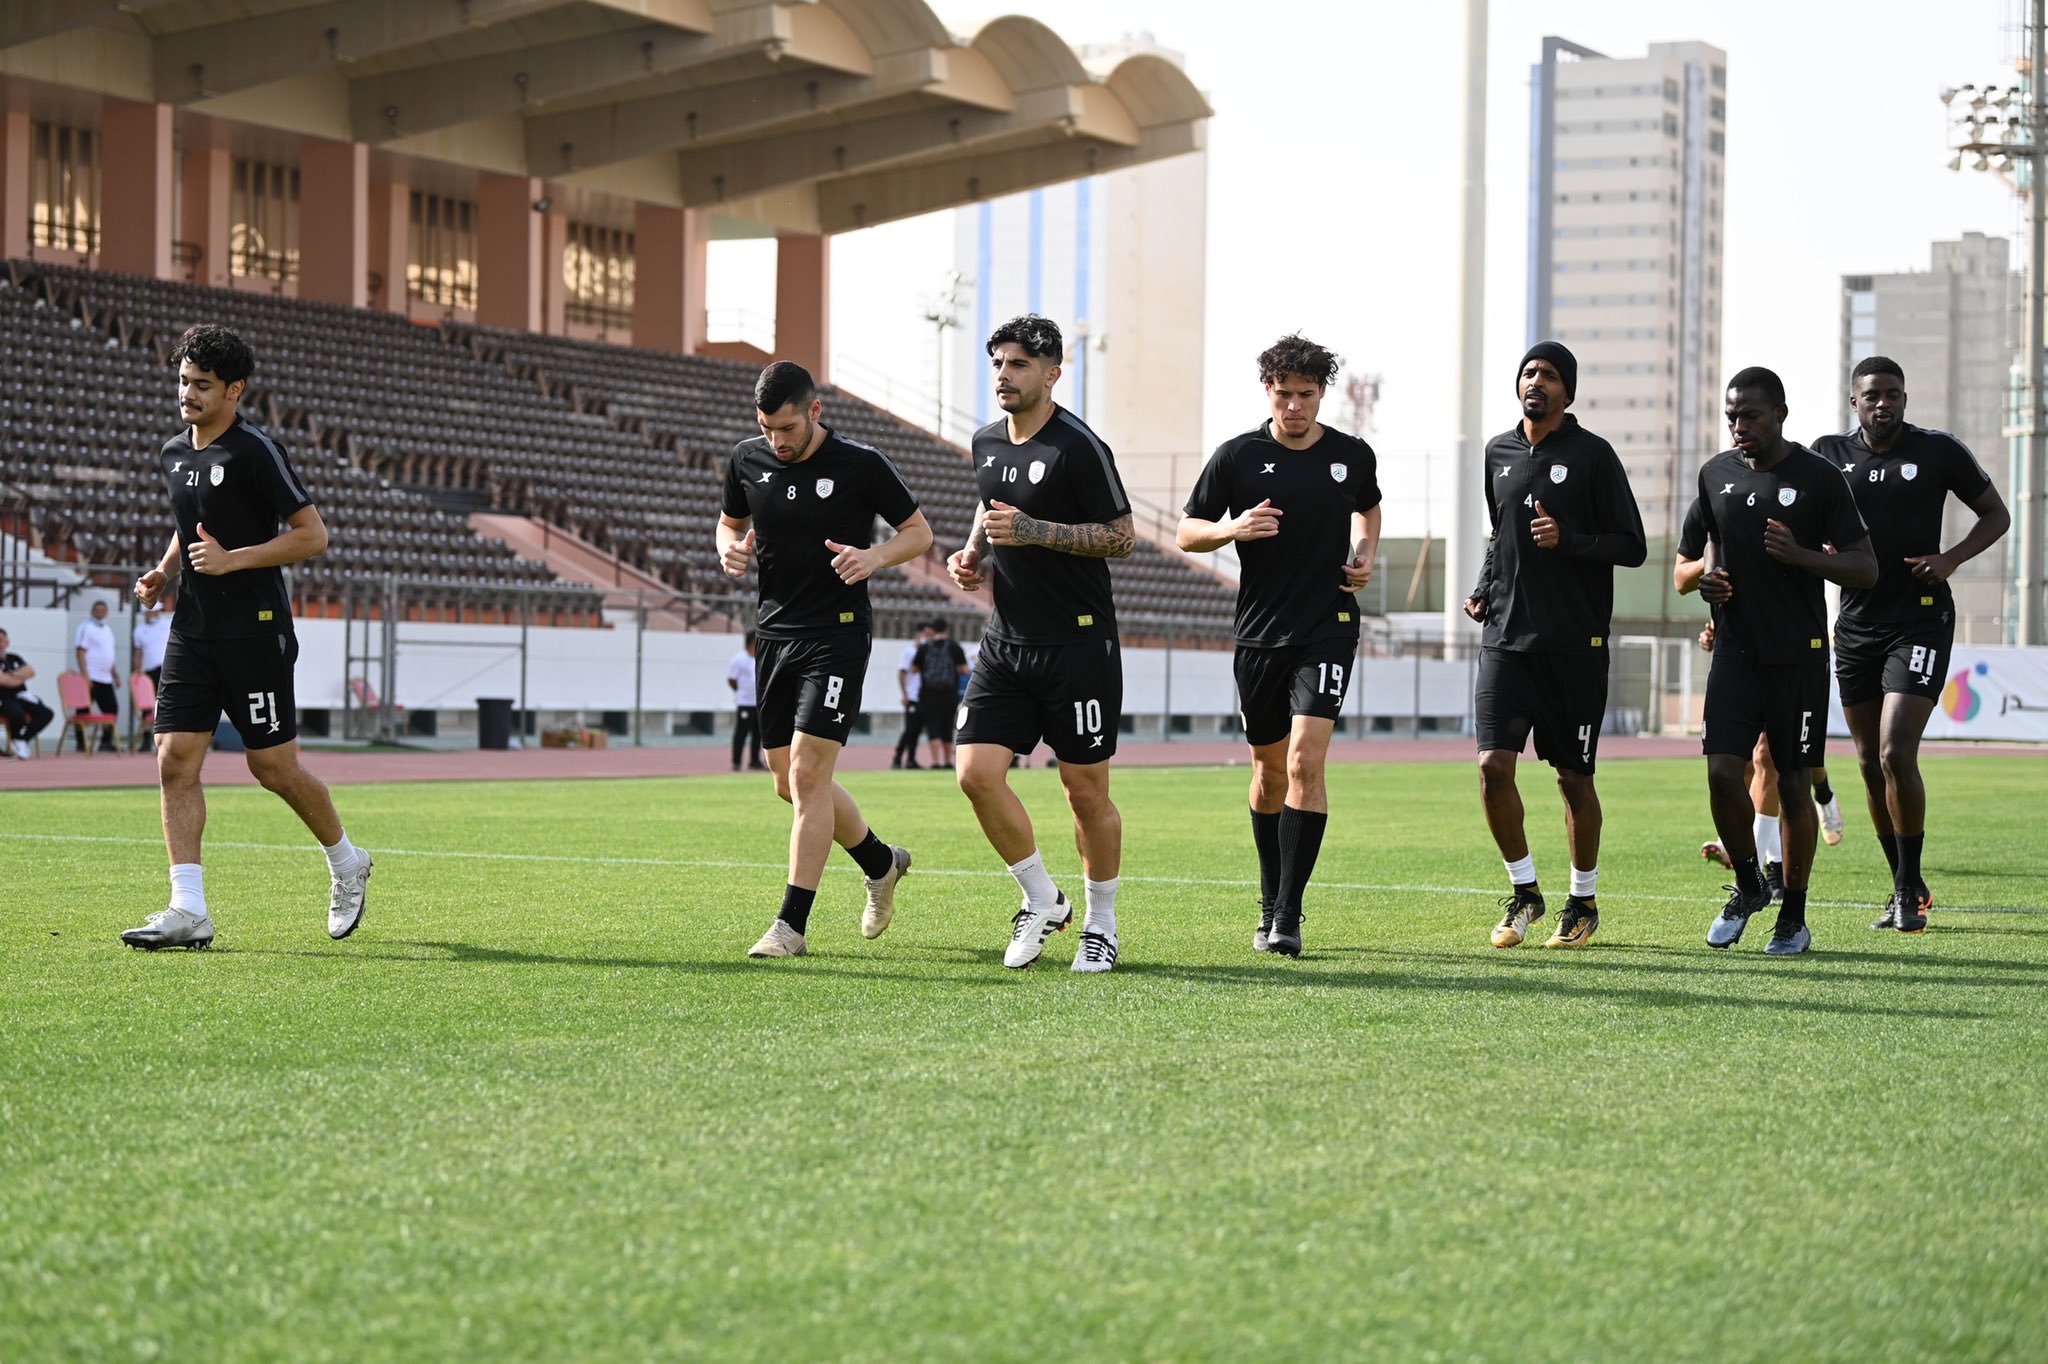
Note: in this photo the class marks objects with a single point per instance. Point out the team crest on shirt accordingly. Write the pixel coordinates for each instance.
(1036, 471)
(1338, 471)
(218, 472)
(1909, 472)
(1557, 473)
(824, 487)
(1786, 495)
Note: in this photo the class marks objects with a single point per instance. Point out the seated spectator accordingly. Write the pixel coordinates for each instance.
(95, 648)
(23, 713)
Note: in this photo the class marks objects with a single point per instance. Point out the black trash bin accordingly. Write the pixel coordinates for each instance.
(494, 722)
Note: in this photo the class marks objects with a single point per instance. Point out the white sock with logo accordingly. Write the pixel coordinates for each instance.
(1768, 847)
(1035, 881)
(1523, 872)
(1101, 914)
(188, 887)
(1584, 882)
(341, 858)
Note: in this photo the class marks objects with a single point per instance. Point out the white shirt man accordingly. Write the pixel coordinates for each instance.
(95, 645)
(151, 633)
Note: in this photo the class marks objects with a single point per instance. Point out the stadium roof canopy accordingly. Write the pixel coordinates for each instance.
(791, 115)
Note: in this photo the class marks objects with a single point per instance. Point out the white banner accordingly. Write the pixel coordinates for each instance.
(1989, 693)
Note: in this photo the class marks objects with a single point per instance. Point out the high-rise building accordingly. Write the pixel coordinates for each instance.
(1119, 261)
(1955, 330)
(1625, 190)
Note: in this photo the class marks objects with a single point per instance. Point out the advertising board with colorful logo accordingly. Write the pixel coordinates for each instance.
(1993, 694)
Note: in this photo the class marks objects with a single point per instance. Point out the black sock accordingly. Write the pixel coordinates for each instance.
(873, 855)
(1266, 838)
(796, 907)
(1890, 844)
(1823, 791)
(1906, 876)
(1748, 876)
(1792, 910)
(1301, 838)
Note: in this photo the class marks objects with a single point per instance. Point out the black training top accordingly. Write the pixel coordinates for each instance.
(836, 494)
(1065, 475)
(1290, 587)
(241, 488)
(1778, 614)
(1692, 535)
(1555, 600)
(1901, 494)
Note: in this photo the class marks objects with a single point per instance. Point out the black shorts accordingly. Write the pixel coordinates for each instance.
(938, 715)
(1069, 695)
(1563, 697)
(1910, 657)
(1275, 685)
(247, 676)
(1787, 702)
(811, 685)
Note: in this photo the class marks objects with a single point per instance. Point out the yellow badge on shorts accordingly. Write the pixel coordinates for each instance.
(1596, 641)
(1343, 615)
(263, 615)
(1084, 620)
(1927, 601)
(846, 617)
(1813, 644)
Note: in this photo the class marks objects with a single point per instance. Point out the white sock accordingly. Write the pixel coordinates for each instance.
(188, 887)
(1523, 872)
(1035, 881)
(1584, 882)
(1768, 848)
(342, 856)
(1101, 913)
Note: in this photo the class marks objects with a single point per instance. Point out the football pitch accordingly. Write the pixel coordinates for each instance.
(542, 1107)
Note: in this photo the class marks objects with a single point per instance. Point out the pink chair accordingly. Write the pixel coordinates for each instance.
(74, 692)
(142, 693)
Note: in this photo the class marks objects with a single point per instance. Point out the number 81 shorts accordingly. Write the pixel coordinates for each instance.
(1069, 695)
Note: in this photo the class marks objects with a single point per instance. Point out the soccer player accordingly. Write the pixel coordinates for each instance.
(1563, 518)
(1052, 509)
(1302, 503)
(1892, 640)
(1779, 519)
(232, 645)
(800, 504)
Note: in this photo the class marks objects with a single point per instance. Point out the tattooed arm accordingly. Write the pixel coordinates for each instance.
(1003, 524)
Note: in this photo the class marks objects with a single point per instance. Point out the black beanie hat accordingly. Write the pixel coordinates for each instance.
(1567, 366)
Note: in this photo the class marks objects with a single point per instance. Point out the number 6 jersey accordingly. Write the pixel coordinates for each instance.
(1778, 613)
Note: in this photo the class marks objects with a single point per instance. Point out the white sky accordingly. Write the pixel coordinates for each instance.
(1334, 168)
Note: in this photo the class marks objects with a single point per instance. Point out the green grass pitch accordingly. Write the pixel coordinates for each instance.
(542, 1107)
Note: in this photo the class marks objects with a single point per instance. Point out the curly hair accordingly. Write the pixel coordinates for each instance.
(216, 350)
(1039, 336)
(1877, 364)
(1297, 354)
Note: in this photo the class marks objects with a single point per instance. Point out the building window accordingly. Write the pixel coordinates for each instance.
(597, 276)
(64, 188)
(442, 268)
(1670, 90)
(263, 221)
(1716, 144)
(1719, 76)
(1717, 109)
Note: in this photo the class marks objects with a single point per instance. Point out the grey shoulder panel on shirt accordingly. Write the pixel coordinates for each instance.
(284, 468)
(1102, 452)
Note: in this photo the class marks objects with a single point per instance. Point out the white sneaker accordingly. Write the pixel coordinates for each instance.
(22, 750)
(1831, 822)
(881, 908)
(779, 941)
(172, 928)
(1029, 929)
(1098, 952)
(345, 905)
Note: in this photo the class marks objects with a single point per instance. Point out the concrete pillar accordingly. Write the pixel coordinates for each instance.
(509, 237)
(803, 302)
(204, 205)
(554, 243)
(15, 150)
(671, 255)
(136, 169)
(391, 244)
(334, 222)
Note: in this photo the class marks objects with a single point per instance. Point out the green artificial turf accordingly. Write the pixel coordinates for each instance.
(542, 1107)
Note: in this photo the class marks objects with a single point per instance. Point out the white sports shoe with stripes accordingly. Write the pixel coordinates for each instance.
(1029, 929)
(1097, 953)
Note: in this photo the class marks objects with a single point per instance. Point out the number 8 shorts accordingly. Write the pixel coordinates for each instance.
(1069, 695)
(811, 685)
(249, 677)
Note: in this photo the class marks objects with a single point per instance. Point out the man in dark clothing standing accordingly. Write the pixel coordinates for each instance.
(940, 664)
(1563, 519)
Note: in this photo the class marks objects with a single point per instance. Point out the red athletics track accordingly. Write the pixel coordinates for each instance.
(695, 760)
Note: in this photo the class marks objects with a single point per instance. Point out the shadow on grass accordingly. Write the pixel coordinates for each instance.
(1820, 964)
(823, 964)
